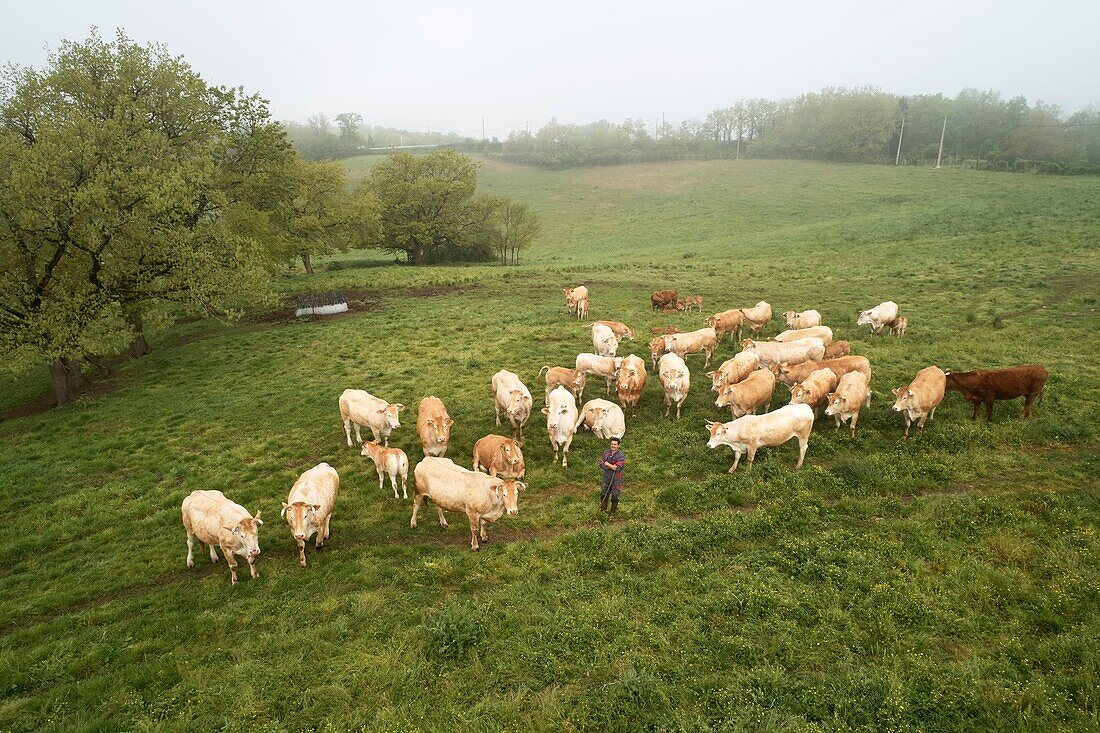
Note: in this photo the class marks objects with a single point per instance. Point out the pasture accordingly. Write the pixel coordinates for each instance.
(950, 582)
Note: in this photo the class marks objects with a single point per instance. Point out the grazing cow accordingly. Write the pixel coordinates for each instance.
(600, 366)
(899, 326)
(692, 342)
(822, 332)
(692, 301)
(837, 349)
(749, 433)
(604, 340)
(620, 329)
(657, 349)
(734, 370)
(879, 317)
(309, 507)
(748, 395)
(791, 352)
(512, 396)
(664, 330)
(758, 316)
(561, 423)
(483, 499)
(499, 456)
(727, 322)
(219, 522)
(390, 462)
(676, 379)
(433, 425)
(582, 308)
(814, 390)
(791, 373)
(631, 381)
(363, 409)
(852, 393)
(571, 379)
(662, 298)
(573, 296)
(605, 419)
(805, 319)
(920, 399)
(988, 385)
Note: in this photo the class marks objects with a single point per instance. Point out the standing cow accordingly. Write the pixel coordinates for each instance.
(676, 380)
(512, 396)
(920, 399)
(727, 322)
(985, 386)
(308, 509)
(433, 425)
(363, 409)
(851, 395)
(662, 298)
(573, 298)
(805, 319)
(758, 316)
(390, 462)
(561, 423)
(219, 522)
(631, 381)
(879, 317)
(483, 499)
(750, 433)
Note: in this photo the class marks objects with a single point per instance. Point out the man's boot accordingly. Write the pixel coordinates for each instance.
(603, 504)
(614, 506)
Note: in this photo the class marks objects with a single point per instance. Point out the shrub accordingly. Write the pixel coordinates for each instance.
(453, 630)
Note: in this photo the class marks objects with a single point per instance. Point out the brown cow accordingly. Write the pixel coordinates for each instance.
(632, 377)
(433, 425)
(662, 298)
(692, 301)
(571, 379)
(988, 385)
(899, 326)
(499, 456)
(838, 349)
(730, 321)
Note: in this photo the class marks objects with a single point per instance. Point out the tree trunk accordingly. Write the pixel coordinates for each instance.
(139, 347)
(67, 380)
(307, 263)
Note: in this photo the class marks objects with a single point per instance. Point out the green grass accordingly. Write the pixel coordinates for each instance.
(945, 583)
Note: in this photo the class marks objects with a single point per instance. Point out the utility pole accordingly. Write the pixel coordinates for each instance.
(483, 128)
(901, 134)
(939, 157)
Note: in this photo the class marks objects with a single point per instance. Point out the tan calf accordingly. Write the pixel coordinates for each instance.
(692, 301)
(838, 348)
(899, 325)
(748, 395)
(499, 456)
(571, 379)
(920, 399)
(308, 509)
(852, 394)
(219, 522)
(390, 462)
(814, 390)
(727, 322)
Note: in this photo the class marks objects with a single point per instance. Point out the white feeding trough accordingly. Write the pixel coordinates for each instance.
(321, 304)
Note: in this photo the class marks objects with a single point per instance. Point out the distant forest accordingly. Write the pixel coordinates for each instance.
(984, 130)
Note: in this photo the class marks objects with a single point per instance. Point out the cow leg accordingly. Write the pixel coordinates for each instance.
(678, 406)
(668, 405)
(474, 521)
(498, 413)
(989, 410)
(484, 529)
(608, 386)
(710, 352)
(213, 553)
(442, 519)
(381, 475)
(252, 567)
(347, 430)
(1028, 400)
(190, 549)
(920, 423)
(405, 484)
(855, 419)
(908, 422)
(565, 452)
(803, 443)
(301, 552)
(836, 418)
(393, 483)
(736, 460)
(359, 436)
(752, 456)
(974, 415)
(416, 507)
(232, 562)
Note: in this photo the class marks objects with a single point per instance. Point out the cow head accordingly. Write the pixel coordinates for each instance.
(247, 534)
(508, 490)
(903, 398)
(712, 321)
(657, 346)
(837, 403)
(555, 414)
(440, 427)
(390, 415)
(865, 319)
(725, 397)
(717, 433)
(748, 345)
(595, 417)
(519, 404)
(790, 317)
(370, 448)
(510, 454)
(799, 394)
(302, 518)
(608, 346)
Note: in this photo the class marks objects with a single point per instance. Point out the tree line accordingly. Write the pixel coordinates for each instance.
(858, 125)
(345, 135)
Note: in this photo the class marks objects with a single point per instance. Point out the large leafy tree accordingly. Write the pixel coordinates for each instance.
(126, 180)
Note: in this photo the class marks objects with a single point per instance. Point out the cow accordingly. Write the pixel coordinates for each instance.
(852, 394)
(605, 419)
(805, 319)
(727, 322)
(631, 381)
(571, 379)
(898, 326)
(499, 456)
(814, 390)
(561, 423)
(600, 366)
(308, 509)
(512, 396)
(683, 344)
(390, 462)
(662, 298)
(620, 329)
(749, 433)
(676, 380)
(758, 316)
(219, 522)
(791, 352)
(985, 386)
(919, 400)
(433, 425)
(748, 395)
(693, 301)
(879, 317)
(657, 349)
(483, 499)
(791, 373)
(604, 340)
(822, 332)
(573, 296)
(837, 349)
(582, 308)
(734, 370)
(361, 408)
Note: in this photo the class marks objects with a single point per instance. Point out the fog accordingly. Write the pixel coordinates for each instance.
(448, 66)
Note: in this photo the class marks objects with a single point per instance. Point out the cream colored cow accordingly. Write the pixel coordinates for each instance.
(483, 499)
(308, 509)
(433, 425)
(822, 332)
(561, 422)
(748, 395)
(363, 409)
(219, 522)
(676, 380)
(605, 419)
(512, 396)
(390, 462)
(734, 370)
(851, 395)
(919, 400)
(805, 319)
(750, 433)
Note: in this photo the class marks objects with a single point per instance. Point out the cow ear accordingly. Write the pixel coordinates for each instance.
(257, 518)
(709, 374)
(909, 392)
(285, 507)
(830, 396)
(399, 407)
(227, 528)
(381, 412)
(895, 390)
(546, 411)
(315, 507)
(450, 422)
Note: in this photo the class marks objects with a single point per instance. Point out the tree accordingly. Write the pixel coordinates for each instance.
(519, 227)
(426, 205)
(126, 180)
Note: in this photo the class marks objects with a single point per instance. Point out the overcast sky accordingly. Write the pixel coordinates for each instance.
(447, 65)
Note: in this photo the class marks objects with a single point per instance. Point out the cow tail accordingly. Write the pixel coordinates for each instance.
(544, 369)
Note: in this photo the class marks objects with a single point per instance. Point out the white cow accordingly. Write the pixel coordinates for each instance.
(604, 340)
(676, 379)
(512, 396)
(805, 319)
(605, 419)
(692, 342)
(561, 422)
(483, 499)
(750, 433)
(601, 366)
(879, 317)
(219, 522)
(790, 352)
(308, 509)
(363, 409)
(822, 332)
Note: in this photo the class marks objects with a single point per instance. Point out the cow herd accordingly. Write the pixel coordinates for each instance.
(820, 373)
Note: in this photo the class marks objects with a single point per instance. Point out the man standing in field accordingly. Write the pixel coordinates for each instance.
(611, 463)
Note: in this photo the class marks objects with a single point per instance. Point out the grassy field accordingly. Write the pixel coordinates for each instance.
(951, 582)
